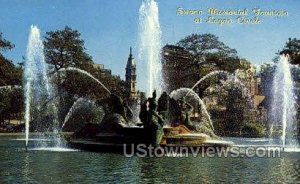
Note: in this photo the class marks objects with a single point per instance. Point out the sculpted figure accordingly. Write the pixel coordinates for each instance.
(117, 115)
(186, 111)
(163, 103)
(152, 121)
(184, 118)
(118, 107)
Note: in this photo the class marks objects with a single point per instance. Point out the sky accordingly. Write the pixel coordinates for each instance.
(109, 28)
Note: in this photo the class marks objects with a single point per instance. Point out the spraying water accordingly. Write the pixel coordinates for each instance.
(150, 45)
(229, 79)
(32, 75)
(85, 73)
(214, 73)
(75, 106)
(36, 85)
(245, 91)
(283, 110)
(218, 72)
(179, 93)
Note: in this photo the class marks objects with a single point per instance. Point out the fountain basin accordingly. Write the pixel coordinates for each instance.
(187, 139)
(128, 137)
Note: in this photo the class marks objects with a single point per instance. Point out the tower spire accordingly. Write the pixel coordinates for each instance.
(130, 51)
(130, 61)
(131, 76)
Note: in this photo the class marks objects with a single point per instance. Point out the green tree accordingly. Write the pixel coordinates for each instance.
(201, 45)
(292, 47)
(5, 44)
(10, 99)
(64, 48)
(235, 106)
(195, 56)
(9, 74)
(208, 49)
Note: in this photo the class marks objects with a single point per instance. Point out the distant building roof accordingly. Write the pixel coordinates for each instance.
(98, 66)
(258, 99)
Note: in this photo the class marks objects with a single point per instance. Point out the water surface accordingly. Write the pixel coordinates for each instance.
(73, 166)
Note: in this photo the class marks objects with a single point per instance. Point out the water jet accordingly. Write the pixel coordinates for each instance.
(283, 107)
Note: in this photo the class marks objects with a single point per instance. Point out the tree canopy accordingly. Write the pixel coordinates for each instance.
(4, 44)
(10, 99)
(201, 45)
(65, 48)
(9, 73)
(292, 47)
(195, 56)
(208, 49)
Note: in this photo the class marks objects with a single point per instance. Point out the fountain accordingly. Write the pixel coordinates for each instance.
(85, 73)
(187, 92)
(230, 78)
(283, 110)
(214, 73)
(74, 107)
(113, 132)
(150, 45)
(37, 88)
(39, 93)
(113, 129)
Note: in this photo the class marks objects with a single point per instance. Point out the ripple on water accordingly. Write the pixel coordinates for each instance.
(22, 139)
(54, 149)
(296, 150)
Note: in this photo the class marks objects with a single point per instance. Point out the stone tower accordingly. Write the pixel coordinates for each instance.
(131, 78)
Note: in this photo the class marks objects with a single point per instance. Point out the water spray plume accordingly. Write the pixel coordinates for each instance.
(87, 74)
(150, 45)
(283, 108)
